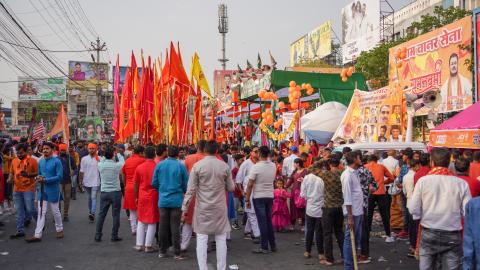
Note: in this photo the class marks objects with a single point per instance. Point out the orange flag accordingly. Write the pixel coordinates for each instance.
(61, 125)
(124, 105)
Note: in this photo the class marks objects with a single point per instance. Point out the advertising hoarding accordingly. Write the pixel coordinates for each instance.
(436, 61)
(52, 89)
(85, 75)
(314, 45)
(360, 28)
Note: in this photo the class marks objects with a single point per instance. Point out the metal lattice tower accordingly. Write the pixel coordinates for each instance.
(223, 30)
(387, 28)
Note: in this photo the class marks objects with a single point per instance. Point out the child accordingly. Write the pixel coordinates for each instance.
(280, 214)
(237, 194)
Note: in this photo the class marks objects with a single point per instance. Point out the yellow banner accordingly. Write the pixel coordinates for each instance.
(435, 61)
(314, 45)
(376, 116)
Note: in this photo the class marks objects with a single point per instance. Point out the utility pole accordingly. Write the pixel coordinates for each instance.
(98, 47)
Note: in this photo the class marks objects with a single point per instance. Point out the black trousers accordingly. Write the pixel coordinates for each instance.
(365, 241)
(314, 227)
(383, 203)
(106, 199)
(170, 223)
(332, 223)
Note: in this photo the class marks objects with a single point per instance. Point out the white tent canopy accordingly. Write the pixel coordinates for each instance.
(321, 123)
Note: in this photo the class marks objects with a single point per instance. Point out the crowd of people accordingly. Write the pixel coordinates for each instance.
(171, 194)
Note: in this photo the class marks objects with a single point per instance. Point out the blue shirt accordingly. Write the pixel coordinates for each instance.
(50, 168)
(170, 180)
(471, 235)
(109, 175)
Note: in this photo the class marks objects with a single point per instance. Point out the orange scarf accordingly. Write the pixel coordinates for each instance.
(440, 171)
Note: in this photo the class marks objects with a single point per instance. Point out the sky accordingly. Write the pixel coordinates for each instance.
(255, 26)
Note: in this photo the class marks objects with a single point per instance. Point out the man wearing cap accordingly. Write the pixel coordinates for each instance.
(288, 167)
(69, 166)
(90, 178)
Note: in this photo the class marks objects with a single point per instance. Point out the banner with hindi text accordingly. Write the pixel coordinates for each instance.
(436, 61)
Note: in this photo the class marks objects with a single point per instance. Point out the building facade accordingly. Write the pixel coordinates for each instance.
(414, 11)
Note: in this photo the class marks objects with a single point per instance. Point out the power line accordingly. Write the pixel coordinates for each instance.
(45, 50)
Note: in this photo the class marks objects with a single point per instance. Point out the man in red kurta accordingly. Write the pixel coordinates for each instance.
(147, 197)
(187, 229)
(128, 172)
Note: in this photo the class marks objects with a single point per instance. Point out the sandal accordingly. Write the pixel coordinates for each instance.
(178, 258)
(325, 262)
(307, 255)
(138, 248)
(150, 250)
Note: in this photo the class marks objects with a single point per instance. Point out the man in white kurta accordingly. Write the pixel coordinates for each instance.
(209, 180)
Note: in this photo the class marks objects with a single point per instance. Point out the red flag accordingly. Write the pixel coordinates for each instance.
(124, 105)
(116, 103)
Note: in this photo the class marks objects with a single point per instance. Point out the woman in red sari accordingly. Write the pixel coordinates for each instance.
(297, 206)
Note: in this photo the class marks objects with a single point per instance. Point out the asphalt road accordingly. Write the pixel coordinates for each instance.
(79, 251)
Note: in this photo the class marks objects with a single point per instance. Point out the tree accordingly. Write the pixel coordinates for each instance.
(374, 63)
(439, 18)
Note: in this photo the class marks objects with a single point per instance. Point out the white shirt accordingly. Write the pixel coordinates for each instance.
(439, 202)
(352, 192)
(242, 178)
(408, 184)
(287, 166)
(391, 164)
(312, 190)
(263, 176)
(89, 168)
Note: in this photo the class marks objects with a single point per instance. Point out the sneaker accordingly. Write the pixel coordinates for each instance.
(235, 226)
(364, 259)
(162, 255)
(33, 239)
(60, 235)
(411, 254)
(389, 239)
(116, 239)
(91, 217)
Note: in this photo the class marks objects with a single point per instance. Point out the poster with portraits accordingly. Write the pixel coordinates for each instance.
(437, 61)
(376, 116)
(360, 28)
(91, 128)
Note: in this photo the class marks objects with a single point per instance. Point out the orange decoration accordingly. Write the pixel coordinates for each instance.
(304, 86)
(298, 88)
(310, 92)
(281, 104)
(308, 86)
(261, 93)
(403, 55)
(344, 73)
(305, 105)
(292, 84)
(399, 64)
(344, 79)
(294, 105)
(291, 89)
(296, 94)
(280, 121)
(350, 72)
(274, 97)
(264, 115)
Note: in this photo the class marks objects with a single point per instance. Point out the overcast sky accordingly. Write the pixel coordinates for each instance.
(254, 27)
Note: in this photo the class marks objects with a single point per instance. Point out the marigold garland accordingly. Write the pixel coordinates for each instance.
(281, 136)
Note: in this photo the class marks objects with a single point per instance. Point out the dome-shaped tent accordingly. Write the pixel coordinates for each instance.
(321, 123)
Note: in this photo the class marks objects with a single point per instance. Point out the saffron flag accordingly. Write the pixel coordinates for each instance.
(61, 125)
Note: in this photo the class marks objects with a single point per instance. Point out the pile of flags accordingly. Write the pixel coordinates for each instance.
(154, 106)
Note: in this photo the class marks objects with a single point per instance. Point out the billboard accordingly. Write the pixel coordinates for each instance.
(90, 128)
(476, 26)
(52, 89)
(123, 70)
(360, 28)
(85, 75)
(376, 116)
(314, 45)
(435, 61)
